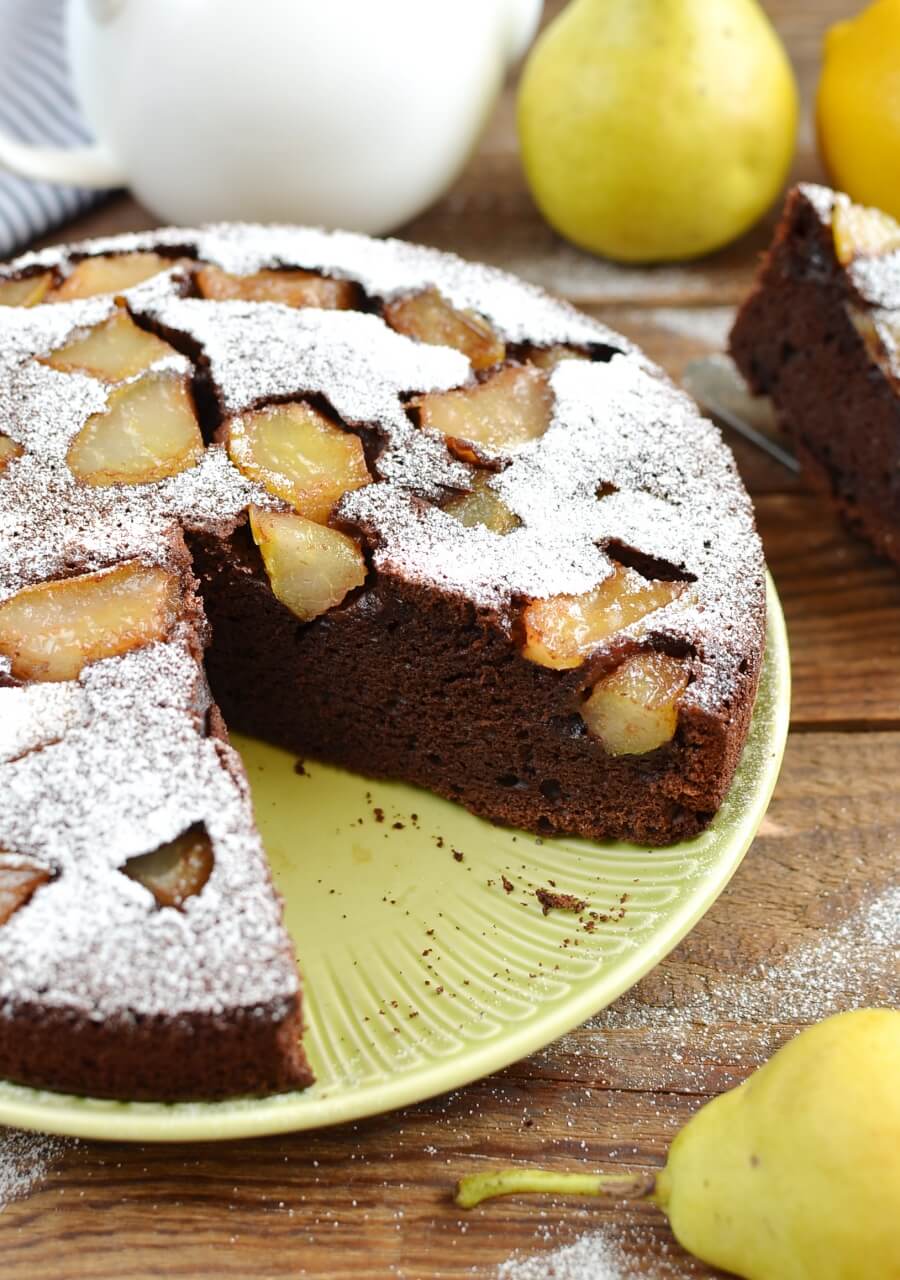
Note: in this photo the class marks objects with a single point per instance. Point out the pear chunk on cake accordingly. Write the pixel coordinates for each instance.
(635, 710)
(53, 630)
(496, 416)
(561, 631)
(482, 506)
(149, 432)
(863, 232)
(429, 317)
(114, 350)
(27, 291)
(311, 567)
(177, 870)
(549, 358)
(19, 881)
(298, 455)
(109, 273)
(291, 288)
(9, 449)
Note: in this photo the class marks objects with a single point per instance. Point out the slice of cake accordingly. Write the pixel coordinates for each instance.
(404, 513)
(819, 334)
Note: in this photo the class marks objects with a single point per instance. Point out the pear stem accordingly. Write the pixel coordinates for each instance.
(475, 1187)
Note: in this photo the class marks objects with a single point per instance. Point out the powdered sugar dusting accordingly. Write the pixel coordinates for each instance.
(818, 978)
(91, 939)
(25, 1161)
(35, 715)
(49, 524)
(596, 1255)
(353, 359)
(604, 1253)
(708, 325)
(118, 762)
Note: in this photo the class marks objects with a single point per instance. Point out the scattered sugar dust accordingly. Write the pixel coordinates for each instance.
(840, 969)
(849, 966)
(25, 1161)
(594, 1256)
(599, 1254)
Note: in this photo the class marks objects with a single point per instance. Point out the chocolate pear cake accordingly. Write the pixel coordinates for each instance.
(820, 335)
(378, 505)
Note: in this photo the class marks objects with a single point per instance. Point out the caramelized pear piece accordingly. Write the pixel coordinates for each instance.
(26, 292)
(53, 630)
(512, 406)
(562, 631)
(862, 232)
(109, 273)
(430, 318)
(18, 882)
(9, 449)
(297, 454)
(149, 431)
(114, 350)
(176, 870)
(291, 288)
(311, 566)
(483, 506)
(635, 709)
(547, 358)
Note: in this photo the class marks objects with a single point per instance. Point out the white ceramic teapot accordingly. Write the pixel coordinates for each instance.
(352, 113)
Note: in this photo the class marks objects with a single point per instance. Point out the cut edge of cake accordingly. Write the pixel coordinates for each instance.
(820, 335)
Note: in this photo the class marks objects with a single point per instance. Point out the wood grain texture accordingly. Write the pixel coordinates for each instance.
(793, 937)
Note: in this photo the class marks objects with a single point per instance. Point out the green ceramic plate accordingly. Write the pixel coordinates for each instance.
(428, 959)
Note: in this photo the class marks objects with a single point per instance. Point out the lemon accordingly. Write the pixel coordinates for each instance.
(657, 129)
(858, 106)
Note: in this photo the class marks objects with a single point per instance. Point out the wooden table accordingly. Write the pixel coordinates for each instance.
(810, 904)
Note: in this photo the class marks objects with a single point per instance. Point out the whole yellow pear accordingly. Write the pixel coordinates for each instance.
(795, 1175)
(657, 129)
(858, 106)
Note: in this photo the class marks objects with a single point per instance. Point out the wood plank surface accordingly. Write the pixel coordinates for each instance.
(808, 925)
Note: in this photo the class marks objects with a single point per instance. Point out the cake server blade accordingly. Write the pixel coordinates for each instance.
(716, 385)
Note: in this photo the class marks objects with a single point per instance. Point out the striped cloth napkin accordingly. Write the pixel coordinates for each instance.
(36, 105)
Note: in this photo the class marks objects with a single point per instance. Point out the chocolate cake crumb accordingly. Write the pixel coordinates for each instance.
(508, 885)
(551, 900)
(457, 855)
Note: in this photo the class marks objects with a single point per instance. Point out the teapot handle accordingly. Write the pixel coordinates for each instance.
(89, 166)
